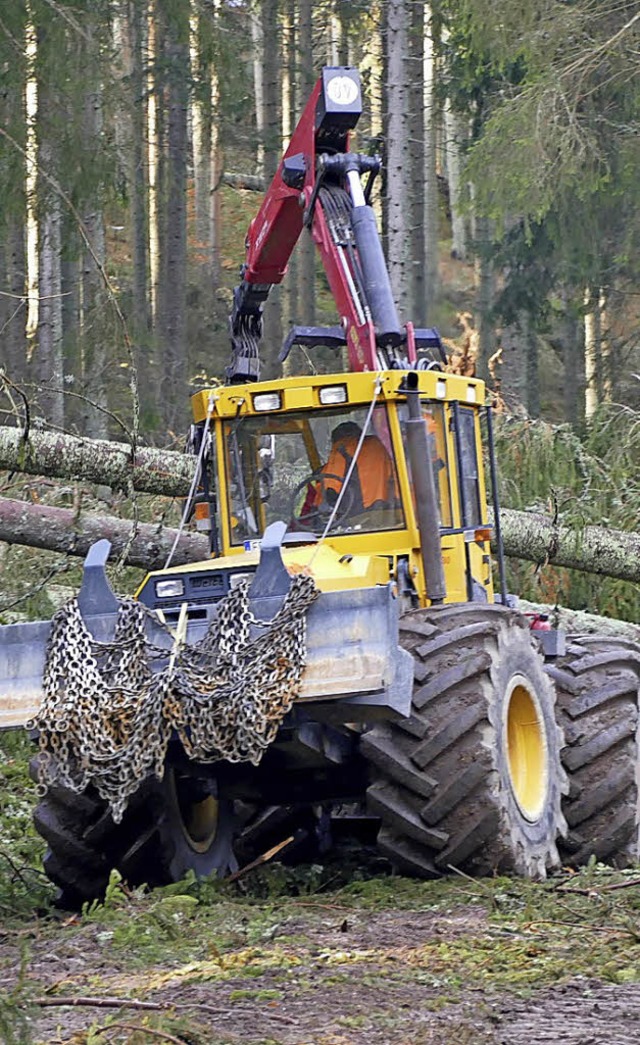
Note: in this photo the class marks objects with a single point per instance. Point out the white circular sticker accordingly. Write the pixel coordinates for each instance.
(342, 90)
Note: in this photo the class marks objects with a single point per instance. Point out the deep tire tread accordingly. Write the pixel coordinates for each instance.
(598, 683)
(457, 671)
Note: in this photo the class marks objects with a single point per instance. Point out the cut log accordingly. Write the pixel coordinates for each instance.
(63, 530)
(592, 549)
(105, 463)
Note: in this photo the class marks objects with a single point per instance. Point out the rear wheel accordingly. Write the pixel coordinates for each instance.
(170, 827)
(472, 779)
(598, 683)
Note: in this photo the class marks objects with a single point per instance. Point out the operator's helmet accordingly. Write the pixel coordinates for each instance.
(346, 430)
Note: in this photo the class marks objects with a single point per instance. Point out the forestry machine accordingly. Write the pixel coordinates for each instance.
(425, 699)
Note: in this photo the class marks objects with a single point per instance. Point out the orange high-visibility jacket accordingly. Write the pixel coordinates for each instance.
(374, 474)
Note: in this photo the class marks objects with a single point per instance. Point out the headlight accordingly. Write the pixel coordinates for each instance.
(471, 393)
(267, 401)
(170, 588)
(441, 389)
(333, 394)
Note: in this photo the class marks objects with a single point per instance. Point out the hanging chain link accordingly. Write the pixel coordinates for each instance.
(107, 716)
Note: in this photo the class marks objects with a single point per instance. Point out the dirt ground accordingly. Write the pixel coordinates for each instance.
(447, 964)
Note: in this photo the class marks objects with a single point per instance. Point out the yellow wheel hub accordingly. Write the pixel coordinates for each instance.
(198, 819)
(527, 754)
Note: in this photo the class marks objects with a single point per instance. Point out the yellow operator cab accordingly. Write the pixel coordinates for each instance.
(274, 455)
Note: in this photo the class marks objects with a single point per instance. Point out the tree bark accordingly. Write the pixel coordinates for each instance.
(273, 333)
(94, 354)
(137, 178)
(579, 622)
(454, 142)
(592, 549)
(429, 176)
(398, 187)
(174, 276)
(305, 251)
(61, 456)
(64, 530)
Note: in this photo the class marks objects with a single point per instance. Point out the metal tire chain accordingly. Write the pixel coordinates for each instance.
(106, 718)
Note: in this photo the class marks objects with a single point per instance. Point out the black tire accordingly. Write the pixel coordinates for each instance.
(447, 789)
(169, 828)
(598, 683)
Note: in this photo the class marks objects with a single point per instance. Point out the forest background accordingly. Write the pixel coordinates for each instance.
(135, 136)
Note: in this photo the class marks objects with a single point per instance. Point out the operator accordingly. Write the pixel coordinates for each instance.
(372, 484)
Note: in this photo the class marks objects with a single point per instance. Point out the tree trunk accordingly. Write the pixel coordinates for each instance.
(174, 277)
(398, 188)
(216, 161)
(530, 340)
(137, 179)
(590, 353)
(373, 54)
(484, 295)
(454, 142)
(289, 117)
(573, 358)
(201, 147)
(579, 622)
(13, 334)
(48, 356)
(273, 334)
(429, 169)
(526, 535)
(64, 530)
(257, 42)
(31, 176)
(305, 250)
(59, 456)
(591, 549)
(153, 159)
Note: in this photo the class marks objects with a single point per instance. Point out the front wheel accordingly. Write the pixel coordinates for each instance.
(473, 778)
(170, 827)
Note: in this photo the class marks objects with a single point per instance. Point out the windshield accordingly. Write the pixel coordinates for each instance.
(292, 467)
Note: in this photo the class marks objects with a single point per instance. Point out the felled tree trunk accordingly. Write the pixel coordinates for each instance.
(592, 549)
(63, 530)
(106, 463)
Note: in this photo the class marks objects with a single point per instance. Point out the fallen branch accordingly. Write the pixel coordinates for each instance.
(594, 889)
(77, 1002)
(259, 861)
(151, 1031)
(106, 1002)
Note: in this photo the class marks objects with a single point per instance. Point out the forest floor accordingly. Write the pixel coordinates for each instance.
(342, 953)
(329, 956)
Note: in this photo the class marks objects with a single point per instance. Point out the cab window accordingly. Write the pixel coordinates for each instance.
(470, 504)
(433, 414)
(293, 467)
